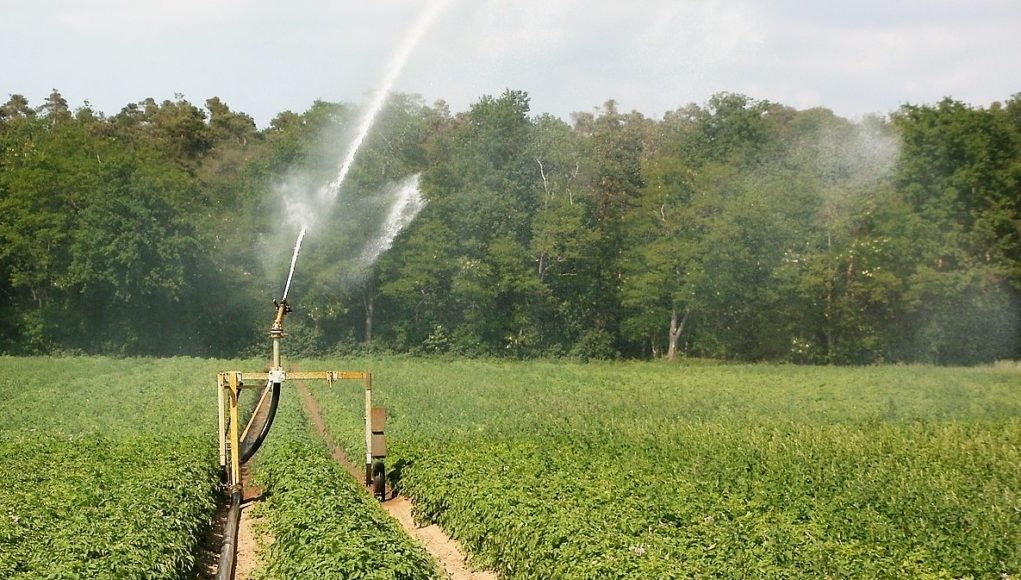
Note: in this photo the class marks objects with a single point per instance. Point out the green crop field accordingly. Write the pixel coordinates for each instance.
(108, 469)
(541, 469)
(559, 470)
(323, 525)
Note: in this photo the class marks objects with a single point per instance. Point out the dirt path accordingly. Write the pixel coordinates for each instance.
(208, 558)
(247, 559)
(445, 551)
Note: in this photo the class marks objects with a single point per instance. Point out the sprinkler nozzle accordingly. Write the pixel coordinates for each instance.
(276, 330)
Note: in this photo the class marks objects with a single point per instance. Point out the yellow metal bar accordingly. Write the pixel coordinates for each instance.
(233, 380)
(223, 437)
(262, 399)
(368, 428)
(326, 375)
(309, 376)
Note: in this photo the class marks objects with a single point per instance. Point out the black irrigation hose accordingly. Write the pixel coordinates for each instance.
(228, 554)
(250, 445)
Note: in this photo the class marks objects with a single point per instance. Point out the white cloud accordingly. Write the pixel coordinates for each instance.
(702, 32)
(652, 55)
(116, 15)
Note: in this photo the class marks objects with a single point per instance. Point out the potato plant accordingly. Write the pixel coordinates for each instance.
(108, 466)
(647, 470)
(322, 523)
(109, 470)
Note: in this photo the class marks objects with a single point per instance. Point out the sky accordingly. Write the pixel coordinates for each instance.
(263, 57)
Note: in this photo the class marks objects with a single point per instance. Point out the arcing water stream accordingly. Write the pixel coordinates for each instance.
(329, 192)
(327, 195)
(294, 260)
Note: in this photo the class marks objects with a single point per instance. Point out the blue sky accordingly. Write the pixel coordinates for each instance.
(263, 57)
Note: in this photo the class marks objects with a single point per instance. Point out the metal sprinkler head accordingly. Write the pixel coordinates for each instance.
(276, 330)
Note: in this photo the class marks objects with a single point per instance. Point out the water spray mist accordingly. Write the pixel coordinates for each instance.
(327, 195)
(406, 205)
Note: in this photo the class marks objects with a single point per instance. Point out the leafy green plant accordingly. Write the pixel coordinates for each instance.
(565, 470)
(109, 467)
(322, 523)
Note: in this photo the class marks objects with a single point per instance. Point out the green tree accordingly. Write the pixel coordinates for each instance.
(706, 232)
(15, 107)
(415, 281)
(611, 150)
(47, 173)
(132, 252)
(960, 172)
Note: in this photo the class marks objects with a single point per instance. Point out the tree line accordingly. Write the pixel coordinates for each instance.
(737, 229)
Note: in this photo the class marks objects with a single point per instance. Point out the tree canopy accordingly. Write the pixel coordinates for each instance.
(738, 229)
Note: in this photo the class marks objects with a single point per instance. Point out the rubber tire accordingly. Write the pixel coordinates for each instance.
(379, 480)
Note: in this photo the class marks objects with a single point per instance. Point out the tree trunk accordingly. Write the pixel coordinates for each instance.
(370, 307)
(676, 330)
(545, 182)
(831, 277)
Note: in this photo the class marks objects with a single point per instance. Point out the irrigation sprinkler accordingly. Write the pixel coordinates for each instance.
(238, 446)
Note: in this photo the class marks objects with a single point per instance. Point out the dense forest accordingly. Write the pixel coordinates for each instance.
(737, 229)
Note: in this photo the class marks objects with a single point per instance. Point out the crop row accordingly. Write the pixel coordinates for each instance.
(322, 523)
(595, 471)
(109, 467)
(103, 507)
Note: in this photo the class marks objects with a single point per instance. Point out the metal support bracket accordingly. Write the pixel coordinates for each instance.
(229, 386)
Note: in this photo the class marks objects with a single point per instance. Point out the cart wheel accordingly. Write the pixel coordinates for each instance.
(379, 480)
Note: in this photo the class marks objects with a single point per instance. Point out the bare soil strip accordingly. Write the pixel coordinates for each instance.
(248, 541)
(208, 558)
(247, 559)
(445, 550)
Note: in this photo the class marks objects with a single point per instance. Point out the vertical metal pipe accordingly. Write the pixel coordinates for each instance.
(221, 431)
(235, 445)
(368, 428)
(276, 353)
